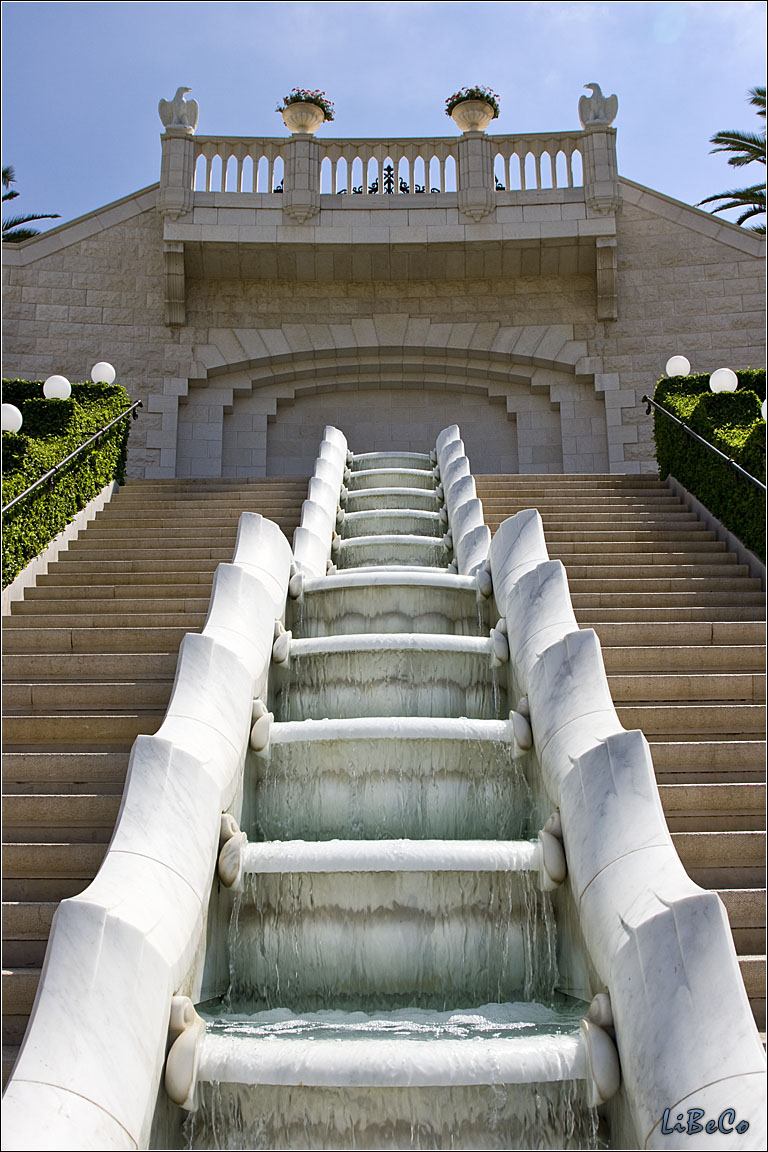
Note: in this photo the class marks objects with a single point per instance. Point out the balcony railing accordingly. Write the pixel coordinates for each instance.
(387, 167)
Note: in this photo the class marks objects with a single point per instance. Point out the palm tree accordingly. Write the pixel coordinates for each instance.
(13, 232)
(745, 148)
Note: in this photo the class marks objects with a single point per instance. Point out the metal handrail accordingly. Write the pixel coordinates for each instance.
(57, 467)
(742, 471)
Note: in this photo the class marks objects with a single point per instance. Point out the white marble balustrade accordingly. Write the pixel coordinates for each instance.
(245, 164)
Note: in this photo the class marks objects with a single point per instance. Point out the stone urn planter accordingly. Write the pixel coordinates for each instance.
(472, 115)
(303, 116)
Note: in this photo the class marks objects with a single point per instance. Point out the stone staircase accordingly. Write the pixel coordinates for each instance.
(91, 651)
(680, 622)
(89, 659)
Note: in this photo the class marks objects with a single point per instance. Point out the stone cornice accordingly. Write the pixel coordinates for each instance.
(687, 216)
(37, 247)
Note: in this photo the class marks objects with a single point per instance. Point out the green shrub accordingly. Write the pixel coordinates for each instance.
(51, 430)
(730, 421)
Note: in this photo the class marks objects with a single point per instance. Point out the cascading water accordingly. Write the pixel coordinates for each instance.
(405, 996)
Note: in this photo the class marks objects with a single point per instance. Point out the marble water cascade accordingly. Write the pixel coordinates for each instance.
(392, 952)
(390, 874)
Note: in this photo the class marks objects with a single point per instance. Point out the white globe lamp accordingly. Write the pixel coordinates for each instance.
(678, 366)
(103, 373)
(724, 380)
(764, 409)
(57, 388)
(12, 418)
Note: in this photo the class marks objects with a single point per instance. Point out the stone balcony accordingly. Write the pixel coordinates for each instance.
(307, 208)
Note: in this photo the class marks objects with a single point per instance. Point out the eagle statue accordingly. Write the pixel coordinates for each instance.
(597, 109)
(179, 113)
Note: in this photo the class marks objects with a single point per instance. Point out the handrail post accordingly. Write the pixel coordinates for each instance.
(474, 176)
(301, 180)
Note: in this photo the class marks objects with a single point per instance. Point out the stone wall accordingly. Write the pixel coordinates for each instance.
(514, 354)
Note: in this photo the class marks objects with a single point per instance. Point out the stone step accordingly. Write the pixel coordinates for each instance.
(76, 771)
(41, 818)
(592, 617)
(19, 988)
(675, 633)
(713, 807)
(111, 606)
(52, 697)
(225, 503)
(711, 596)
(752, 970)
(40, 887)
(723, 859)
(123, 579)
(617, 551)
(191, 621)
(26, 928)
(59, 860)
(683, 589)
(623, 569)
(220, 553)
(83, 571)
(92, 731)
(708, 761)
(746, 913)
(255, 491)
(110, 533)
(103, 639)
(206, 521)
(711, 718)
(62, 668)
(134, 590)
(687, 687)
(679, 537)
(589, 503)
(685, 659)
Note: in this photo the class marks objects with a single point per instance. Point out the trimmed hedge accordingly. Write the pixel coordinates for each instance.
(731, 421)
(51, 430)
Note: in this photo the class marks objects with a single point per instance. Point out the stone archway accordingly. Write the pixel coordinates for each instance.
(524, 398)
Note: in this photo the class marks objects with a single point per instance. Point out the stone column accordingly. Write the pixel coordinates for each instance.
(607, 303)
(301, 182)
(601, 176)
(175, 199)
(177, 171)
(475, 175)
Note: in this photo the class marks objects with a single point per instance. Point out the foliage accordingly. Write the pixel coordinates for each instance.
(305, 96)
(732, 422)
(51, 430)
(13, 232)
(745, 148)
(479, 92)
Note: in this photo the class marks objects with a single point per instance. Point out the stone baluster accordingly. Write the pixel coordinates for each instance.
(301, 183)
(475, 174)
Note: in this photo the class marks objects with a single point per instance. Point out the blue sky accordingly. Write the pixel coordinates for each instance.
(81, 81)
